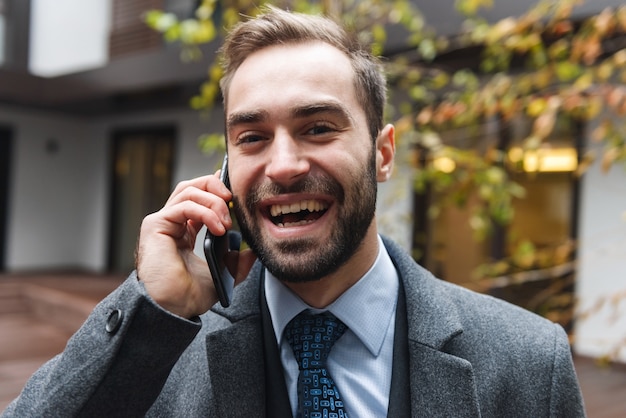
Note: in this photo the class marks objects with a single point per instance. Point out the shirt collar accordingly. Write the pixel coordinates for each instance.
(366, 308)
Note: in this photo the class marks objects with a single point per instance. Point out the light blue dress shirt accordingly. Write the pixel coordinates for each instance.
(361, 361)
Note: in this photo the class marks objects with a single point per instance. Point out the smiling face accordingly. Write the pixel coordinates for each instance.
(303, 165)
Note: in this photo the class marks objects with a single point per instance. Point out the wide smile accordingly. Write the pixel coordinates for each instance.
(298, 213)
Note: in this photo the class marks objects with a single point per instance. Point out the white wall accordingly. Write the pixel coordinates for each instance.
(68, 36)
(602, 264)
(59, 202)
(47, 226)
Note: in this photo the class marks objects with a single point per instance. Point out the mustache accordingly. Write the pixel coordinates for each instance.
(321, 184)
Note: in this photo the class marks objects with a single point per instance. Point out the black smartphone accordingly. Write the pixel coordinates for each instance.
(215, 250)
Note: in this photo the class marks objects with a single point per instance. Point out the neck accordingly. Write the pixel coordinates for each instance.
(323, 292)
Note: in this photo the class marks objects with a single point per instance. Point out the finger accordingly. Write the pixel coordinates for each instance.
(189, 213)
(210, 183)
(203, 197)
(195, 226)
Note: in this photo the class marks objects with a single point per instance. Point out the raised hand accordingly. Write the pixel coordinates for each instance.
(175, 277)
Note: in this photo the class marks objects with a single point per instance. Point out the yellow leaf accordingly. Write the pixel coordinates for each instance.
(536, 107)
(605, 22)
(425, 116)
(543, 78)
(608, 159)
(585, 163)
(544, 125)
(620, 16)
(503, 28)
(215, 73)
(619, 58)
(379, 33)
(605, 71)
(205, 32)
(594, 107)
(532, 142)
(583, 82)
(601, 131)
(470, 7)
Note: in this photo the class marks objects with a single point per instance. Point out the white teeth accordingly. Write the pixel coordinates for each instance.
(310, 205)
(289, 224)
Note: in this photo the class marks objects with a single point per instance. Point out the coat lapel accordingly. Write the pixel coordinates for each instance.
(235, 355)
(236, 368)
(442, 384)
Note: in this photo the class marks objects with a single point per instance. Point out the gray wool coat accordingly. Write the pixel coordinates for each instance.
(470, 355)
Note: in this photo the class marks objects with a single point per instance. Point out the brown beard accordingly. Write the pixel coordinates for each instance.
(303, 259)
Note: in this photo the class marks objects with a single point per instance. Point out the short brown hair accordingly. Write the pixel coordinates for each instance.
(279, 27)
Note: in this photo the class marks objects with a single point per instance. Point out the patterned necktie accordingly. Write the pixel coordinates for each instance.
(311, 337)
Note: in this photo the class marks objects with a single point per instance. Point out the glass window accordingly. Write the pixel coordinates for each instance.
(535, 250)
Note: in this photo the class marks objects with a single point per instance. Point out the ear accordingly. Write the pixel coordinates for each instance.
(385, 151)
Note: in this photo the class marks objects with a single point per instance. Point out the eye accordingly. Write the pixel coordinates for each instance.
(249, 138)
(320, 129)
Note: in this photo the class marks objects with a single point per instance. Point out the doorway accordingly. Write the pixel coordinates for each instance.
(142, 162)
(6, 139)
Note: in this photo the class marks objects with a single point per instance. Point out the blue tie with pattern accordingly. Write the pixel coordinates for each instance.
(311, 337)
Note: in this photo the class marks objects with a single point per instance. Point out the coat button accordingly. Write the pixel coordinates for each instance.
(114, 321)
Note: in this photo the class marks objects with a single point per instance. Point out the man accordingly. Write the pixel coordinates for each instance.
(306, 145)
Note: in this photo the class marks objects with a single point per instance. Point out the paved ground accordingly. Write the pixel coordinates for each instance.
(22, 352)
(604, 389)
(29, 337)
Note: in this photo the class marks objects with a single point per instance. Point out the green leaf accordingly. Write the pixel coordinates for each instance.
(211, 143)
(470, 7)
(567, 71)
(427, 49)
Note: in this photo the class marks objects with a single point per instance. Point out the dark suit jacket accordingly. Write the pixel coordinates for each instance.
(469, 355)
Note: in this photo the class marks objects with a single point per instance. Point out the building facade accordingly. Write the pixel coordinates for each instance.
(95, 130)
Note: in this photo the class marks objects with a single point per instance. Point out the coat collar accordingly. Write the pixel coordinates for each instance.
(442, 384)
(236, 357)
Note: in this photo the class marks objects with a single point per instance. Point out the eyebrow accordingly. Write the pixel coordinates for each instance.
(302, 111)
(335, 108)
(241, 118)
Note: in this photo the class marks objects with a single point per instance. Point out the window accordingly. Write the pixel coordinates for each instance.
(142, 174)
(537, 245)
(129, 34)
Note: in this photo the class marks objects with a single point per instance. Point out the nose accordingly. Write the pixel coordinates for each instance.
(288, 162)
